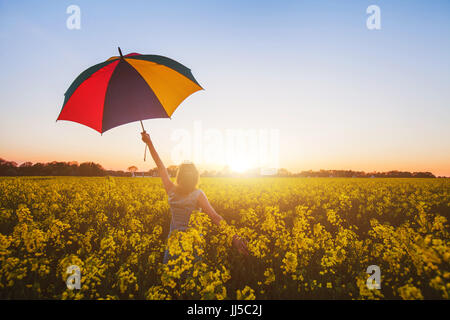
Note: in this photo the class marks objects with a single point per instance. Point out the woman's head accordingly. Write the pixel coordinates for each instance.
(187, 178)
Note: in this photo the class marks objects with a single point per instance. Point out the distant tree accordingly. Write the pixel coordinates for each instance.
(282, 172)
(8, 168)
(26, 164)
(120, 173)
(209, 173)
(153, 172)
(91, 169)
(132, 169)
(226, 171)
(423, 175)
(205, 173)
(26, 169)
(172, 170)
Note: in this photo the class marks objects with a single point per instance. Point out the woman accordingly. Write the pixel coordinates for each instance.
(184, 197)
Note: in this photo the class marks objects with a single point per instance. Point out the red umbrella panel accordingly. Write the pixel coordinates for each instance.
(127, 88)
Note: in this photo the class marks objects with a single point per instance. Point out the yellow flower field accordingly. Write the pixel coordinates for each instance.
(309, 238)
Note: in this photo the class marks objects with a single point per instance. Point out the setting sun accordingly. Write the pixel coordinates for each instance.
(239, 165)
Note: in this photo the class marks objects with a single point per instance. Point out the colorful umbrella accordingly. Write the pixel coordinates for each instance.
(126, 89)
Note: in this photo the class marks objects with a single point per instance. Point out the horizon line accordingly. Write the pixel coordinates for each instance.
(220, 170)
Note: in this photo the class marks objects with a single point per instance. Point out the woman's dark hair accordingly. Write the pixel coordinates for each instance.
(187, 179)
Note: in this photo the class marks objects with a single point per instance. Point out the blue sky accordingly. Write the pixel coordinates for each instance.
(341, 96)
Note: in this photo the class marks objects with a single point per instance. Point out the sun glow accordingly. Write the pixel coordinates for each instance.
(239, 165)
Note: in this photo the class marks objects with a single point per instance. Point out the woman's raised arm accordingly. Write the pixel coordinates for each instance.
(168, 184)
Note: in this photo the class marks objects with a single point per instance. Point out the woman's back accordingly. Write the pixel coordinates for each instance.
(181, 208)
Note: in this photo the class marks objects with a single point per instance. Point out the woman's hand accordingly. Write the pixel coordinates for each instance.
(145, 137)
(240, 244)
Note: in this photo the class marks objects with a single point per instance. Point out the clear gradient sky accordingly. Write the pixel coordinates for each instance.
(341, 96)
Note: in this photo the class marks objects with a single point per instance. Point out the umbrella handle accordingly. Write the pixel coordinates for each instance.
(143, 130)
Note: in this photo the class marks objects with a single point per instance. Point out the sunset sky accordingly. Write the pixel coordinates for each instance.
(340, 96)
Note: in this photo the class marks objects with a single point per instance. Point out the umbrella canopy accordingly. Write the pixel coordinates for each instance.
(127, 88)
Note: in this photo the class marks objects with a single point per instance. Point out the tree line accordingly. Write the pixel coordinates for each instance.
(91, 169)
(55, 168)
(357, 174)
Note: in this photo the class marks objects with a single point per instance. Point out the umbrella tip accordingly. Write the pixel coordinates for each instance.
(120, 51)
